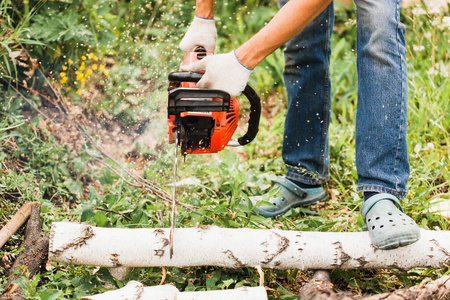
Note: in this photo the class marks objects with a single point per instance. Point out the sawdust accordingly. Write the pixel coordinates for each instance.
(118, 141)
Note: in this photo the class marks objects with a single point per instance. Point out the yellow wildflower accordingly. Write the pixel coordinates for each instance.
(106, 72)
(69, 88)
(94, 67)
(79, 92)
(95, 58)
(91, 55)
(82, 67)
(64, 80)
(88, 72)
(80, 76)
(70, 61)
(63, 74)
(64, 68)
(83, 57)
(76, 72)
(101, 67)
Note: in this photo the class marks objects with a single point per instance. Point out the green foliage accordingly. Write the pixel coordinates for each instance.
(12, 35)
(63, 27)
(136, 42)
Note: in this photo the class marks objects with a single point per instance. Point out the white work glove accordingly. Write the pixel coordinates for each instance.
(222, 72)
(202, 32)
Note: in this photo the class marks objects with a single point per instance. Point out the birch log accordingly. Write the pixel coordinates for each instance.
(242, 293)
(84, 244)
(136, 291)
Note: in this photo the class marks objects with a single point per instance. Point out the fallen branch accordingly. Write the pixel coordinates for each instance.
(236, 248)
(136, 291)
(15, 223)
(29, 261)
(320, 288)
(438, 289)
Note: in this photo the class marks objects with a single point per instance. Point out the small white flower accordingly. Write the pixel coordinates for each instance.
(417, 11)
(430, 146)
(446, 22)
(418, 48)
(436, 22)
(432, 72)
(444, 69)
(417, 148)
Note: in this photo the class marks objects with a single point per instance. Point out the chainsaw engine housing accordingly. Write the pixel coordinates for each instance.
(203, 126)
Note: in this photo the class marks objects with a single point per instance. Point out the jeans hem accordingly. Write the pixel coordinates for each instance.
(381, 189)
(305, 176)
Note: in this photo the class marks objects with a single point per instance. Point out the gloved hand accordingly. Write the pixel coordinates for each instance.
(222, 72)
(202, 32)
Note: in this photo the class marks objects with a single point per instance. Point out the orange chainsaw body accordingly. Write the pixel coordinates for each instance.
(201, 131)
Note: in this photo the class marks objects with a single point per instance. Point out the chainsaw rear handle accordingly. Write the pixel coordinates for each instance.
(255, 114)
(253, 98)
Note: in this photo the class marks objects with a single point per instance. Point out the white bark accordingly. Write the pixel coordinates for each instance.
(243, 293)
(235, 248)
(136, 291)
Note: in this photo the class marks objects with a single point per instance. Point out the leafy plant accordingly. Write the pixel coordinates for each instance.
(12, 38)
(136, 42)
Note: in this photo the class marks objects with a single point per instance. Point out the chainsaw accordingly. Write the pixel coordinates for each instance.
(204, 120)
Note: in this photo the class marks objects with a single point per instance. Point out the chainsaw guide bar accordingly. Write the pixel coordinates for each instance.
(204, 120)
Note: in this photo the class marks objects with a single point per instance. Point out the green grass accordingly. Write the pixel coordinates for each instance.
(36, 166)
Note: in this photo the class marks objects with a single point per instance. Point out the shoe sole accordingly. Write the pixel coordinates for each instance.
(289, 206)
(397, 242)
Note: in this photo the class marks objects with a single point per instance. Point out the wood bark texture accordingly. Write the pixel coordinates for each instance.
(84, 244)
(317, 289)
(35, 251)
(136, 291)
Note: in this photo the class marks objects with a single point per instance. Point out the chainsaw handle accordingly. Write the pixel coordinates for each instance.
(253, 98)
(255, 114)
(185, 76)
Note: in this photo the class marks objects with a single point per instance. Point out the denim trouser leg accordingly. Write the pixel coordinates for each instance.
(307, 79)
(381, 148)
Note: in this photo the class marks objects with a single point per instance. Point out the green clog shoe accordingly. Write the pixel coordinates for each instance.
(389, 227)
(288, 196)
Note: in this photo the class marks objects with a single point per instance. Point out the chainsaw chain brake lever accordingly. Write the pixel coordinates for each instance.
(253, 98)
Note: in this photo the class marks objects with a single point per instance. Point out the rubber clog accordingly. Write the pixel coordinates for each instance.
(389, 227)
(289, 195)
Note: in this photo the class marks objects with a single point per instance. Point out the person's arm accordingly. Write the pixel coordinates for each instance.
(205, 9)
(230, 72)
(202, 31)
(288, 22)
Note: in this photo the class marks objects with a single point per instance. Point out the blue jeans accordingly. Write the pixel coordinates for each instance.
(381, 149)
